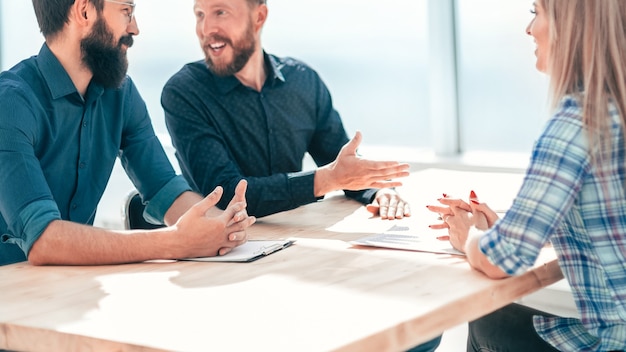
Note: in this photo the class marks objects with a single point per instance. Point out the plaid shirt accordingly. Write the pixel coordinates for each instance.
(580, 206)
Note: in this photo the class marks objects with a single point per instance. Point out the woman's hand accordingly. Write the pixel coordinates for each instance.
(458, 217)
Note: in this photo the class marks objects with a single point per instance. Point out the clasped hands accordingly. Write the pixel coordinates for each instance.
(459, 217)
(207, 231)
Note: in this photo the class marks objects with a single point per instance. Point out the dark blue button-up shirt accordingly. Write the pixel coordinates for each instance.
(224, 131)
(57, 151)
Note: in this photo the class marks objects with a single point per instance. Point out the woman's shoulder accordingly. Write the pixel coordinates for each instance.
(568, 111)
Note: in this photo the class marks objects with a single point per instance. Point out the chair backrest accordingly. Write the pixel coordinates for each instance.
(132, 213)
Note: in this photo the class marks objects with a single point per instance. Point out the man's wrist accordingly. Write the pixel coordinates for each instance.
(321, 181)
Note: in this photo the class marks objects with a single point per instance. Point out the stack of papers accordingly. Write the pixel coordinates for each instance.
(401, 238)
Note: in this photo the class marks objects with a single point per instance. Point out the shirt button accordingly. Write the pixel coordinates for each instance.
(81, 165)
(74, 206)
(84, 124)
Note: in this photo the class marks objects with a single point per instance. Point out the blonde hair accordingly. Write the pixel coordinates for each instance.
(587, 59)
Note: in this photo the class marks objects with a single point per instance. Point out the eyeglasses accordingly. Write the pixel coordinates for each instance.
(130, 10)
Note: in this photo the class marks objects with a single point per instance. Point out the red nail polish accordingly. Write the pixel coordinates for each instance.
(474, 201)
(445, 195)
(473, 195)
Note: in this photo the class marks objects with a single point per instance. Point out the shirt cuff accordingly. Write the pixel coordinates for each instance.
(32, 222)
(301, 187)
(156, 207)
(501, 253)
(365, 196)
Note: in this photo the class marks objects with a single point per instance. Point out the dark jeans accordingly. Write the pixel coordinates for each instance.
(509, 329)
(429, 346)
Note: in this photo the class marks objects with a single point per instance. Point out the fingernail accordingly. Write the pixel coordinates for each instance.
(445, 195)
(474, 201)
(473, 195)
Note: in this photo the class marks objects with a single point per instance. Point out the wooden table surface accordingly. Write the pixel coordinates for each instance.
(320, 294)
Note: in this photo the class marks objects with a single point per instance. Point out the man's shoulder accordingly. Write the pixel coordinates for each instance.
(294, 70)
(23, 69)
(191, 75)
(289, 62)
(194, 69)
(20, 78)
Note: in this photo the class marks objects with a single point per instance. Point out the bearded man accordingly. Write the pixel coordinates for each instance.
(245, 114)
(66, 114)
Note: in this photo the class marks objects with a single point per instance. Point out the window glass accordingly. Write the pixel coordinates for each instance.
(502, 98)
(372, 56)
(19, 35)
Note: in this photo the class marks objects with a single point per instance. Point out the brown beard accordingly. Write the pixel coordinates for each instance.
(242, 51)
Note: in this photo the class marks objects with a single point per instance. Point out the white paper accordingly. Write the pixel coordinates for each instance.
(402, 238)
(248, 251)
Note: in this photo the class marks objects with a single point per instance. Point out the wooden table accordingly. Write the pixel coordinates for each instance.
(320, 294)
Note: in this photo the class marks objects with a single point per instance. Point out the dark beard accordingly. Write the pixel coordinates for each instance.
(241, 53)
(108, 63)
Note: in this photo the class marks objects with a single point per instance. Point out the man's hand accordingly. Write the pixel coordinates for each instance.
(389, 205)
(200, 235)
(238, 235)
(351, 172)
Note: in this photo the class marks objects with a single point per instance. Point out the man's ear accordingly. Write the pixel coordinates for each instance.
(261, 17)
(81, 11)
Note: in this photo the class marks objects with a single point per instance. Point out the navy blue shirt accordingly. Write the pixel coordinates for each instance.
(224, 131)
(57, 151)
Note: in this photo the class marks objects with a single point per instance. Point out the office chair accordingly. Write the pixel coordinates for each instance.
(132, 213)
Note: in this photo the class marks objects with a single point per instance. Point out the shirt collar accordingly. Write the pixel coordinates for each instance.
(57, 79)
(274, 67)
